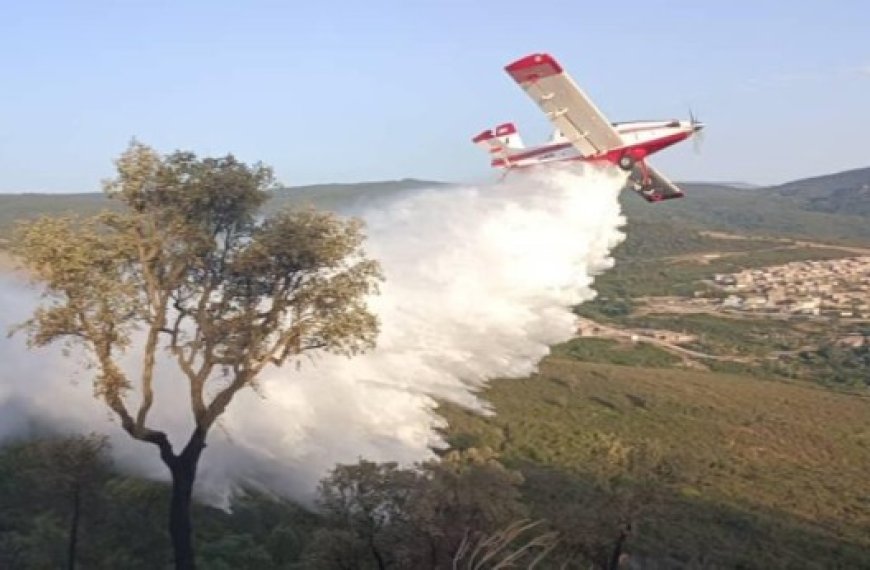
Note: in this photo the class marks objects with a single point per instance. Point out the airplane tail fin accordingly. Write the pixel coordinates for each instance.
(500, 143)
(508, 135)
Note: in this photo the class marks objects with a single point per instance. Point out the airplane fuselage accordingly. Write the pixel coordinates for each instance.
(641, 139)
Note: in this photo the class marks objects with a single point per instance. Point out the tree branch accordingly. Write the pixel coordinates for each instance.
(148, 364)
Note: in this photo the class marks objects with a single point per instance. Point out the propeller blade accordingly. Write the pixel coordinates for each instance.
(697, 135)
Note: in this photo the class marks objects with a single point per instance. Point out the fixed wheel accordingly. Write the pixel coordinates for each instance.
(626, 162)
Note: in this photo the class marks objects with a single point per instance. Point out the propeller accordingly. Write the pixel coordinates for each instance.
(697, 132)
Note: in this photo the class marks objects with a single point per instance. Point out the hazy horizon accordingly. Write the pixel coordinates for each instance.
(744, 184)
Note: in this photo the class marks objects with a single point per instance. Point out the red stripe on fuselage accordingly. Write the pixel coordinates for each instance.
(646, 148)
(637, 151)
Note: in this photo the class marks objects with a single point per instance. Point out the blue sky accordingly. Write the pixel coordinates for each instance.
(348, 91)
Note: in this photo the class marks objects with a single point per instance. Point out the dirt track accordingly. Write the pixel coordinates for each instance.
(606, 331)
(789, 242)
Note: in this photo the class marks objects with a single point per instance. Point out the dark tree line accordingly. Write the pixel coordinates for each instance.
(63, 504)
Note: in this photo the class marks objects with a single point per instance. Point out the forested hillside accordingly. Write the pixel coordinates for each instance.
(752, 455)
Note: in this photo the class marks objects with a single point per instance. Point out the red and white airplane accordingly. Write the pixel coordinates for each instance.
(582, 131)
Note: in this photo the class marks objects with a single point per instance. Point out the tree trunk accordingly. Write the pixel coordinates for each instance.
(616, 554)
(183, 469)
(74, 528)
(377, 554)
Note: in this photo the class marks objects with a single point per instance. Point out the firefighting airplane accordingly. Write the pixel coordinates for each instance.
(582, 132)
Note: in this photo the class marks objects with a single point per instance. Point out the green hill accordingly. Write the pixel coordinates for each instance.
(346, 196)
(15, 207)
(843, 193)
(832, 207)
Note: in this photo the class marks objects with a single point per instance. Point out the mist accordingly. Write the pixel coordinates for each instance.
(480, 281)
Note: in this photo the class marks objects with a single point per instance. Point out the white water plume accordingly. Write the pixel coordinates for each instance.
(480, 281)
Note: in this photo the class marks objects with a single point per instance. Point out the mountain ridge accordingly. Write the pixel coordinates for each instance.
(832, 206)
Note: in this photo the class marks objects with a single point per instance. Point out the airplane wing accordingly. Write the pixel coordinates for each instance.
(656, 187)
(570, 110)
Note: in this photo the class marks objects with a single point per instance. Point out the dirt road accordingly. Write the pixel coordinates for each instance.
(606, 331)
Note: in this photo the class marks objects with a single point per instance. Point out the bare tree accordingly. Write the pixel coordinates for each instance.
(190, 265)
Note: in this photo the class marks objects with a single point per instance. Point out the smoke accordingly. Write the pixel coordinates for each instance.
(480, 281)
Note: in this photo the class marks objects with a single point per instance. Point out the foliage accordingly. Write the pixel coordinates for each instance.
(123, 518)
(714, 453)
(598, 517)
(837, 364)
(725, 335)
(62, 474)
(626, 354)
(647, 239)
(386, 517)
(606, 308)
(189, 266)
(657, 467)
(188, 262)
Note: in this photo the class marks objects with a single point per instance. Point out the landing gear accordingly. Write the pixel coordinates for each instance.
(626, 162)
(643, 188)
(640, 179)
